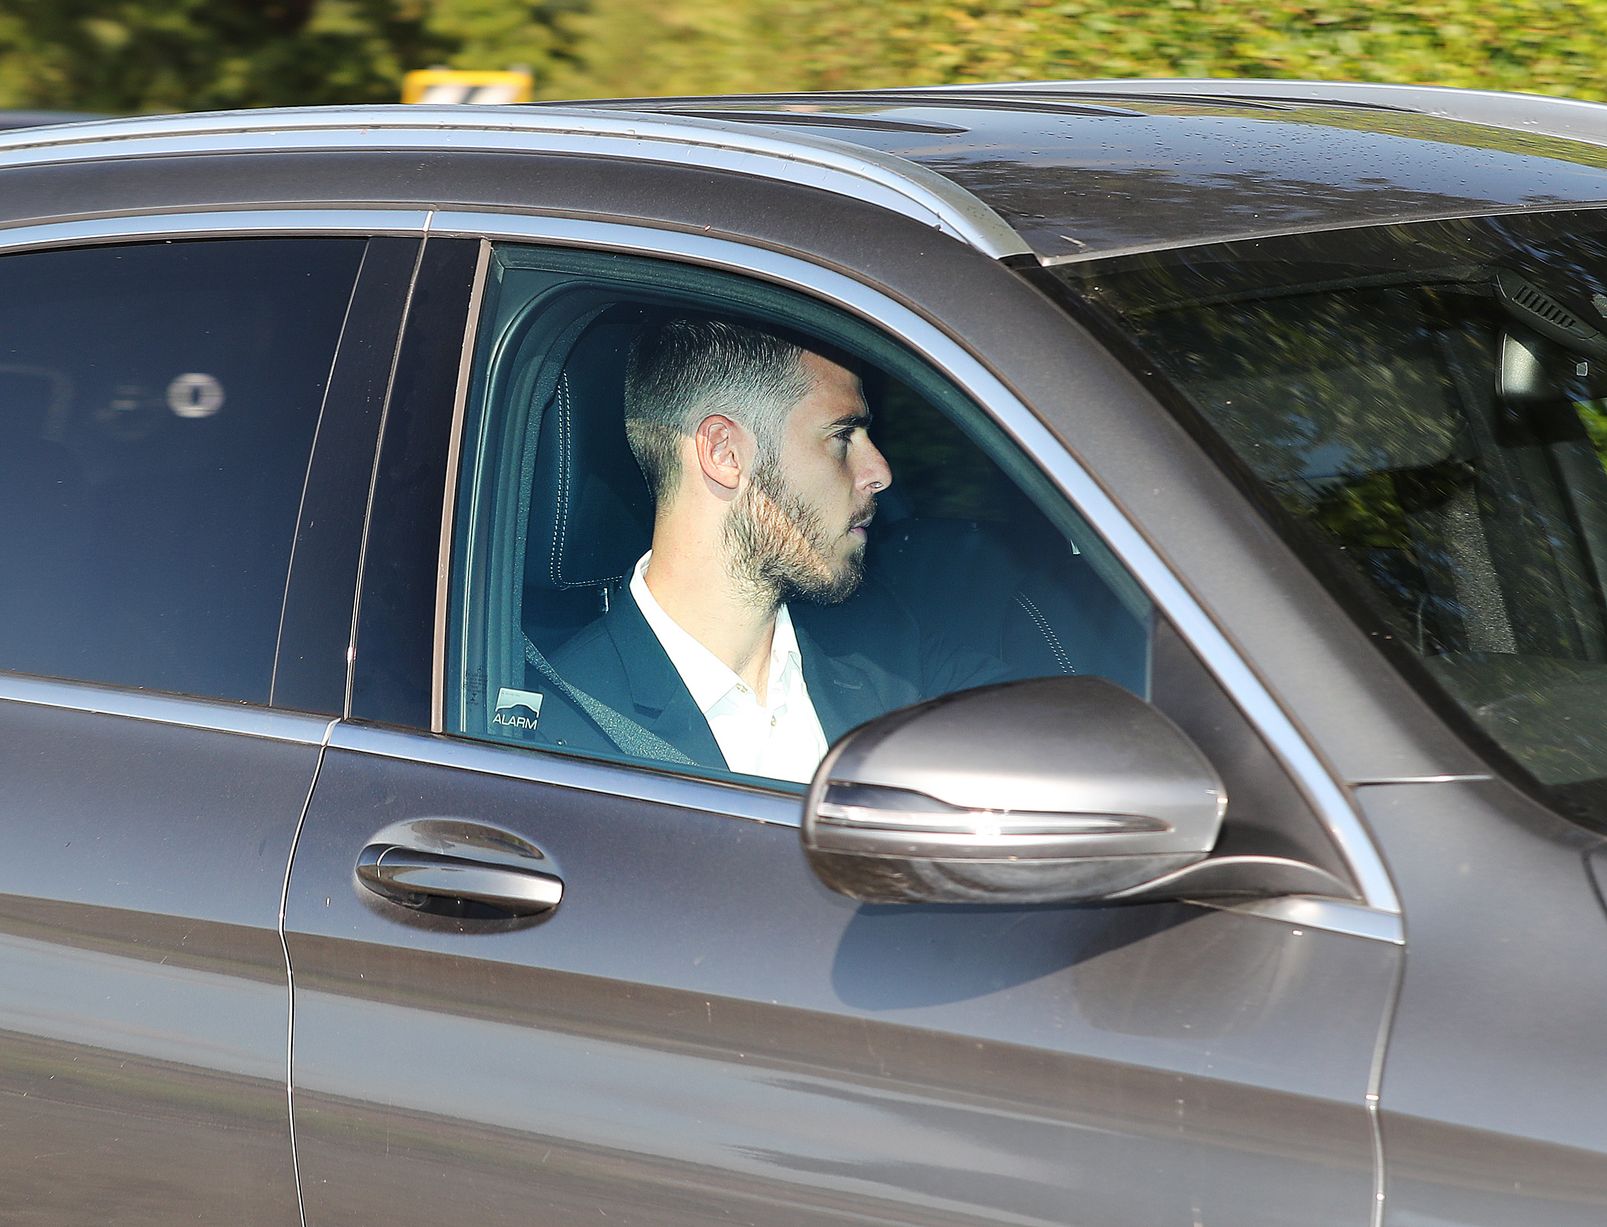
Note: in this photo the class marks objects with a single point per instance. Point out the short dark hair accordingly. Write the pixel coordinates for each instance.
(685, 366)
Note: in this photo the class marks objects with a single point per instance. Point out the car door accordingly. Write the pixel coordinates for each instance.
(163, 381)
(699, 1030)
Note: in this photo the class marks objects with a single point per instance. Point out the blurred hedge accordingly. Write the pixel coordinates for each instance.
(133, 55)
(675, 46)
(172, 55)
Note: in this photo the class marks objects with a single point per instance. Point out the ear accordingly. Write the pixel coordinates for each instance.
(722, 450)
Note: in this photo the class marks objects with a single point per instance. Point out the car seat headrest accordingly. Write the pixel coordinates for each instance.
(591, 515)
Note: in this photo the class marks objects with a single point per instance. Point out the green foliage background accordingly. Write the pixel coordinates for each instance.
(632, 46)
(151, 55)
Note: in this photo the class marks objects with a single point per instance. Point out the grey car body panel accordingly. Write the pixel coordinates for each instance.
(769, 1051)
(143, 996)
(1493, 1110)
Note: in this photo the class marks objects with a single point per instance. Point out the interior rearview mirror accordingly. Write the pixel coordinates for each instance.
(1549, 355)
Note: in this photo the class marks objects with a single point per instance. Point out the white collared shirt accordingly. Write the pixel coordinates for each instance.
(780, 738)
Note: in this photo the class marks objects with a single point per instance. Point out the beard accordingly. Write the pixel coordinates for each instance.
(780, 549)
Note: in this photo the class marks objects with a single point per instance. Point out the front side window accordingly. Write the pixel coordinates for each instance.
(1426, 406)
(157, 409)
(709, 526)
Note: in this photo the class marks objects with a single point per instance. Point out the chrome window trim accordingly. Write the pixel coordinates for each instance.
(215, 223)
(844, 169)
(449, 501)
(1326, 796)
(211, 715)
(1300, 912)
(1472, 778)
(653, 783)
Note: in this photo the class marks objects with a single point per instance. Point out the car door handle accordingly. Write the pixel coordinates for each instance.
(413, 878)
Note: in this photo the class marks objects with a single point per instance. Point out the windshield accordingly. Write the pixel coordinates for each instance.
(1426, 406)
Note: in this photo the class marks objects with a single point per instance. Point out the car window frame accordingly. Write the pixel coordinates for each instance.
(948, 355)
(572, 285)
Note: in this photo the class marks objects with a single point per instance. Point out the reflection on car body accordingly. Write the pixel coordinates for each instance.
(1212, 750)
(38, 119)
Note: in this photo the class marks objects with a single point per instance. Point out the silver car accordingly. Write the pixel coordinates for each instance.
(1244, 442)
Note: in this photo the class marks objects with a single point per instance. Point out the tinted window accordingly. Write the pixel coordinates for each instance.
(1426, 407)
(911, 551)
(157, 409)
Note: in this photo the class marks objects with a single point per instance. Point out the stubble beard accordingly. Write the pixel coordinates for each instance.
(779, 549)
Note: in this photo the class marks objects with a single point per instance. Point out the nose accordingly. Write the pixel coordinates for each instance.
(874, 473)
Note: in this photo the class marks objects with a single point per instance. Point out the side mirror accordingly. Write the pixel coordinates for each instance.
(1053, 790)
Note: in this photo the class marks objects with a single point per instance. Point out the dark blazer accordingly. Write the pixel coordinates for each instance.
(860, 659)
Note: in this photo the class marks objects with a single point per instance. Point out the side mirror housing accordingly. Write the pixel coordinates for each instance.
(1053, 790)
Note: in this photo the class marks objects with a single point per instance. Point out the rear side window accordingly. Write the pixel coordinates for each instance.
(158, 404)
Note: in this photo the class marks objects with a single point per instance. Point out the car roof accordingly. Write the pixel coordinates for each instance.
(1062, 171)
(1093, 168)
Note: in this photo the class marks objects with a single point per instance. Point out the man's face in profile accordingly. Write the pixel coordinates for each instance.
(800, 525)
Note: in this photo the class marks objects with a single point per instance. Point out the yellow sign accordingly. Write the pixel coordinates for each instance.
(450, 85)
